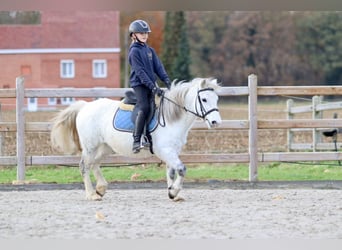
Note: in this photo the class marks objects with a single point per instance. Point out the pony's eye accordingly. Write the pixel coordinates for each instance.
(204, 100)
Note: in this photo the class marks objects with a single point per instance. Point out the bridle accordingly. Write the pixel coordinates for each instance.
(199, 112)
(204, 113)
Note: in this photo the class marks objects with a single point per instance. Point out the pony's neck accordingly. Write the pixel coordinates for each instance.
(190, 104)
(187, 107)
(179, 105)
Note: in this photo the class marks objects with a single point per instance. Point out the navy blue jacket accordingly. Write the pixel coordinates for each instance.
(145, 66)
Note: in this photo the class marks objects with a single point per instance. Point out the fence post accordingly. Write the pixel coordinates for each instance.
(20, 120)
(316, 136)
(289, 116)
(253, 127)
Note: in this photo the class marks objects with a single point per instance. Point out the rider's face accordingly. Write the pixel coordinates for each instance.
(142, 37)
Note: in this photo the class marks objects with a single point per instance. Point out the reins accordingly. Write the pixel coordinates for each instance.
(201, 115)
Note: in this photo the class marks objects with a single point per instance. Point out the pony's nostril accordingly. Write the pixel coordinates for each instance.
(214, 124)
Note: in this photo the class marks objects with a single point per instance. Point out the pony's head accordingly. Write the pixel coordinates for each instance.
(206, 102)
(198, 97)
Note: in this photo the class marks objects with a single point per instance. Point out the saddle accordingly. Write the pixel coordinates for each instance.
(125, 115)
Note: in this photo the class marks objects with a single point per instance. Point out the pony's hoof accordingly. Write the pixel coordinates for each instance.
(178, 199)
(171, 196)
(101, 190)
(173, 193)
(94, 197)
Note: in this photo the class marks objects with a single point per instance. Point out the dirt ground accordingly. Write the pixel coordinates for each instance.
(206, 213)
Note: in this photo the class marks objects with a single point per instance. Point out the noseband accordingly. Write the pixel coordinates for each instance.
(202, 113)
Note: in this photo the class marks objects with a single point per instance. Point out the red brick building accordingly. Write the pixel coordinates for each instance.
(67, 49)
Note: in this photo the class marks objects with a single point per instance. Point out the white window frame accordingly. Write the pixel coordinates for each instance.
(99, 68)
(67, 69)
(52, 101)
(32, 104)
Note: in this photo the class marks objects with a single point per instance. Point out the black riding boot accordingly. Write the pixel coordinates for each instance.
(138, 130)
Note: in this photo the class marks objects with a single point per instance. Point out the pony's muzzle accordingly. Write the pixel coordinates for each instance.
(214, 123)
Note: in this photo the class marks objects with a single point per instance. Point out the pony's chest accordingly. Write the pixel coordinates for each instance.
(174, 136)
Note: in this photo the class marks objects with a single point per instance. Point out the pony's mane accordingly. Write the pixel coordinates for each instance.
(178, 92)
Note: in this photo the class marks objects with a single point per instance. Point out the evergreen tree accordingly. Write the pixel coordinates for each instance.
(168, 48)
(175, 49)
(180, 69)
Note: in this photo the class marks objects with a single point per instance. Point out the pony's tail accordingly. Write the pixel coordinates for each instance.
(64, 136)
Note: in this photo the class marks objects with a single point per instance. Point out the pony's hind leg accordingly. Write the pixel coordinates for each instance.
(91, 193)
(101, 183)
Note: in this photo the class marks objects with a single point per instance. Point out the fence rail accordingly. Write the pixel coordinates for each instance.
(253, 124)
(316, 109)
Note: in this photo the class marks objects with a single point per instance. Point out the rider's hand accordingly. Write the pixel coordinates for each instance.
(168, 83)
(158, 91)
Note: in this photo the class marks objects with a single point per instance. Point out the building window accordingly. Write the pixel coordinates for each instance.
(67, 69)
(20, 17)
(32, 104)
(99, 68)
(67, 100)
(52, 101)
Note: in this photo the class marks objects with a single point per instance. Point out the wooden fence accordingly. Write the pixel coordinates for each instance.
(253, 124)
(316, 109)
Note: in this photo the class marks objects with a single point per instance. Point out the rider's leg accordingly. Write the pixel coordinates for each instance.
(138, 130)
(143, 95)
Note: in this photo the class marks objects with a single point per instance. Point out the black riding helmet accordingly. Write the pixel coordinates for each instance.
(138, 26)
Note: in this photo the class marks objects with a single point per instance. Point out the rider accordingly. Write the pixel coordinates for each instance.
(145, 65)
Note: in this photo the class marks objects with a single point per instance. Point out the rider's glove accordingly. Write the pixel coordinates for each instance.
(158, 91)
(168, 83)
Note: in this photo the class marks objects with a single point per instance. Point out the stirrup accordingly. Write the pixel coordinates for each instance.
(146, 143)
(136, 147)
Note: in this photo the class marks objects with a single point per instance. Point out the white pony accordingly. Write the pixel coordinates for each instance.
(87, 128)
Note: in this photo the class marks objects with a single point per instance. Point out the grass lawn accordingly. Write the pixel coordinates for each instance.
(199, 172)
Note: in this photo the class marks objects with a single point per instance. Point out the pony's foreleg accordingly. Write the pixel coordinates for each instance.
(177, 185)
(101, 183)
(170, 176)
(89, 189)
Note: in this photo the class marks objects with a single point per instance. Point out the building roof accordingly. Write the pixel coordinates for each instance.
(64, 29)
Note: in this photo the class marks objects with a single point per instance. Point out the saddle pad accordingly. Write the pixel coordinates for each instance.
(122, 121)
(124, 106)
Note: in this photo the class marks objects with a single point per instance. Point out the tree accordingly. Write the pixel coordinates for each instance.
(180, 69)
(231, 45)
(176, 52)
(169, 51)
(320, 43)
(205, 31)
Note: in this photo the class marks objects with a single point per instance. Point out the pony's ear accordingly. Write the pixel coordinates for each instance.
(203, 84)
